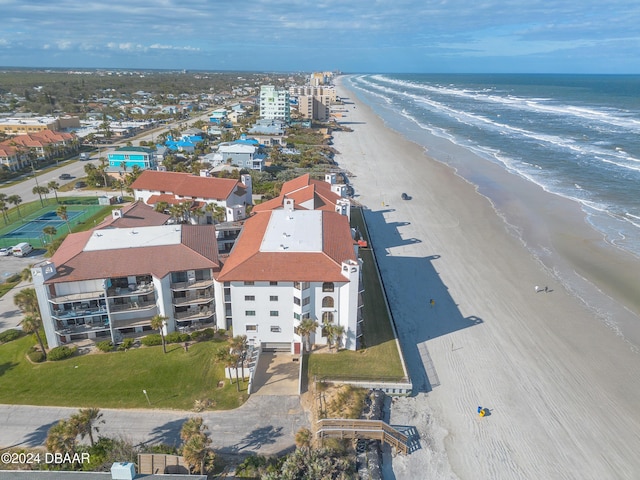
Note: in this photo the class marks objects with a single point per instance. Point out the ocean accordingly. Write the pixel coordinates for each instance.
(574, 136)
(577, 136)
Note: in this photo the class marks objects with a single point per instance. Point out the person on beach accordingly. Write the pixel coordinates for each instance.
(432, 302)
(537, 288)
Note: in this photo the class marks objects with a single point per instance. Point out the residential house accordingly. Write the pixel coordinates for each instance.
(141, 157)
(245, 153)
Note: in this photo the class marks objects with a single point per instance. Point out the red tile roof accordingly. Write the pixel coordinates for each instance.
(198, 249)
(302, 190)
(136, 214)
(247, 263)
(186, 185)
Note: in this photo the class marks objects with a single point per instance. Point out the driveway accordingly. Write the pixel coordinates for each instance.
(276, 374)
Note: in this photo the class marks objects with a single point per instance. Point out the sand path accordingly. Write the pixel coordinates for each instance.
(562, 388)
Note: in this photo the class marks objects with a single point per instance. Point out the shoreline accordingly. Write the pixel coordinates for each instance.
(542, 362)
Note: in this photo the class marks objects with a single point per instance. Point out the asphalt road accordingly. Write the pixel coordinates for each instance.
(265, 425)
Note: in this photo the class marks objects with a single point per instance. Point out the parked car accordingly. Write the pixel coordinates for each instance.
(80, 185)
(405, 196)
(22, 249)
(5, 251)
(65, 176)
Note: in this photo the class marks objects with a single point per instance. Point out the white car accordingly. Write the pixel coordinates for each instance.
(5, 251)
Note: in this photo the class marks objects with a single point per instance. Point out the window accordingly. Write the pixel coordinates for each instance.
(274, 313)
(251, 328)
(296, 316)
(327, 317)
(273, 298)
(249, 298)
(305, 285)
(275, 329)
(327, 302)
(306, 301)
(327, 287)
(273, 283)
(250, 313)
(252, 283)
(297, 285)
(296, 300)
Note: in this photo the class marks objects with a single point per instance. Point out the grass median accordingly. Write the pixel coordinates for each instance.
(117, 380)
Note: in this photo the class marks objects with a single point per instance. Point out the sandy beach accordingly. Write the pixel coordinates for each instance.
(561, 387)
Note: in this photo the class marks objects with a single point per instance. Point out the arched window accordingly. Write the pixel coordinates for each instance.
(327, 287)
(327, 317)
(327, 302)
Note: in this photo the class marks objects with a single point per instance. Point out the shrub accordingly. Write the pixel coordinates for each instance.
(36, 356)
(61, 353)
(105, 346)
(127, 343)
(177, 337)
(152, 339)
(9, 335)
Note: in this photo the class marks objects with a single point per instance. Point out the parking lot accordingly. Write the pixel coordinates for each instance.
(10, 316)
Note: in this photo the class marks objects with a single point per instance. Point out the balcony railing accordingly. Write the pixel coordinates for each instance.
(134, 322)
(133, 289)
(78, 312)
(88, 327)
(194, 314)
(127, 307)
(193, 300)
(191, 285)
(77, 297)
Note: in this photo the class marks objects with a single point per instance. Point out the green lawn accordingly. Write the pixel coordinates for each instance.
(379, 358)
(116, 380)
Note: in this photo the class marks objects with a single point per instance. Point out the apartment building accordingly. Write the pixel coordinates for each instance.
(107, 283)
(152, 187)
(141, 157)
(274, 103)
(289, 265)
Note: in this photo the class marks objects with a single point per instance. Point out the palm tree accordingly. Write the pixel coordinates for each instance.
(27, 301)
(239, 346)
(161, 207)
(192, 426)
(85, 422)
(305, 329)
(40, 190)
(61, 438)
(3, 207)
(32, 324)
(15, 200)
(62, 213)
(195, 450)
(334, 335)
(102, 169)
(158, 323)
(25, 274)
(50, 231)
(53, 185)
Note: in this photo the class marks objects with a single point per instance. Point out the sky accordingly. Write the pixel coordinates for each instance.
(382, 36)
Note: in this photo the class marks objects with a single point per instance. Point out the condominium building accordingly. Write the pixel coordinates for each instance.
(274, 103)
(129, 157)
(106, 283)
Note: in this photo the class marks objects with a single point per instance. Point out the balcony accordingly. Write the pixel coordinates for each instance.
(194, 299)
(133, 322)
(77, 297)
(78, 312)
(190, 315)
(195, 284)
(130, 306)
(86, 328)
(133, 289)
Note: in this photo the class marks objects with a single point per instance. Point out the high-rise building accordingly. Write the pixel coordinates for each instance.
(274, 103)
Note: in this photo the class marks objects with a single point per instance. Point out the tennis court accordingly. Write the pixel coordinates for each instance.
(32, 229)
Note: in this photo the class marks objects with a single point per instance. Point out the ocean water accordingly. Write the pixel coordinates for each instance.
(577, 136)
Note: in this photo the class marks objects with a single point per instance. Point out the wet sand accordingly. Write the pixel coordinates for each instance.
(562, 387)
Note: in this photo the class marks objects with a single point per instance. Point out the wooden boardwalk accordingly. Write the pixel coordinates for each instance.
(372, 429)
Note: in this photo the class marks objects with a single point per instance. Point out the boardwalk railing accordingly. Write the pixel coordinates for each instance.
(372, 429)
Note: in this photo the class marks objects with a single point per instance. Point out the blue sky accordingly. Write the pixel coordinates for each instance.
(532, 36)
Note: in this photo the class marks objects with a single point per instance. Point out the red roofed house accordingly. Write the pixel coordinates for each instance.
(233, 195)
(287, 265)
(105, 283)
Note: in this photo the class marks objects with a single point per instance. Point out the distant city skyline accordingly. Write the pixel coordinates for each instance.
(533, 36)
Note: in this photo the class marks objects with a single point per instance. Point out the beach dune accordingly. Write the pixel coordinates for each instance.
(561, 389)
